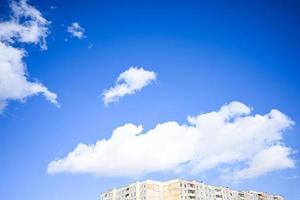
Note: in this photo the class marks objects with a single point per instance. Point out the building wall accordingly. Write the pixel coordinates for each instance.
(178, 189)
(151, 190)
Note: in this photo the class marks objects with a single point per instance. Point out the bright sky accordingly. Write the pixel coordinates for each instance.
(95, 95)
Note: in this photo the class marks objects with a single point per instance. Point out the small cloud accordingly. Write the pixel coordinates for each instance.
(52, 7)
(90, 45)
(293, 177)
(129, 82)
(76, 30)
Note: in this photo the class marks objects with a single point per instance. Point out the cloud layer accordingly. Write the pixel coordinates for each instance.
(76, 30)
(248, 145)
(128, 82)
(26, 25)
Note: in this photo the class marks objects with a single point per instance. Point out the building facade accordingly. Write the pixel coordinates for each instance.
(178, 189)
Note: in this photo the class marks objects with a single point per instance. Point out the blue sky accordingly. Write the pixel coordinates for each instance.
(204, 55)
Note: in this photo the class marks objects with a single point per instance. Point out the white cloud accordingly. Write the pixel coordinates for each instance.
(76, 30)
(128, 82)
(270, 159)
(229, 136)
(26, 25)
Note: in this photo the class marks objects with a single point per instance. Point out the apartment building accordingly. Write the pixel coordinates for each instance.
(178, 189)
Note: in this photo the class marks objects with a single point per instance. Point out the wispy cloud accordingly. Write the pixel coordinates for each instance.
(229, 136)
(76, 30)
(129, 82)
(26, 25)
(52, 7)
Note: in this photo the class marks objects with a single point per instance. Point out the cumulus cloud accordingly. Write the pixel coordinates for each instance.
(26, 25)
(229, 136)
(76, 30)
(128, 82)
